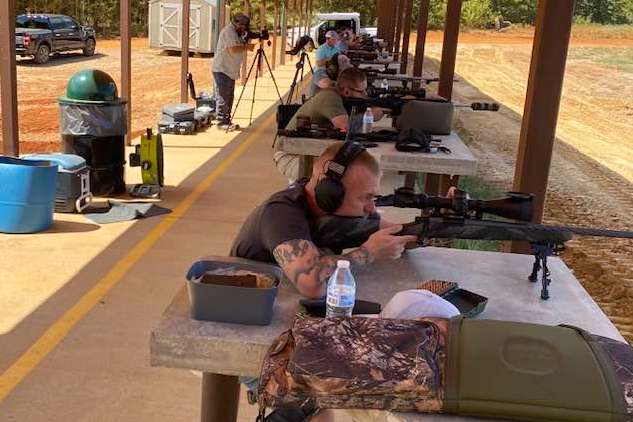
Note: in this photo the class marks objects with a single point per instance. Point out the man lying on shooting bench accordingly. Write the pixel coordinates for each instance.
(326, 110)
(344, 181)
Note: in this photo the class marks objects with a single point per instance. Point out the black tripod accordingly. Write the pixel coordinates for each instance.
(259, 56)
(300, 65)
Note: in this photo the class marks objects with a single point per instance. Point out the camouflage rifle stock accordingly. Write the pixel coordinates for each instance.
(465, 221)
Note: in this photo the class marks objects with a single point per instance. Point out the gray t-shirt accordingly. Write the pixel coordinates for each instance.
(224, 60)
(284, 216)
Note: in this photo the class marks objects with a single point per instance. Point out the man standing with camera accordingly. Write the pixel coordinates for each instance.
(229, 53)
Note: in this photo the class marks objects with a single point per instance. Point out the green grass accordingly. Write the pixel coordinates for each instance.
(620, 58)
(478, 189)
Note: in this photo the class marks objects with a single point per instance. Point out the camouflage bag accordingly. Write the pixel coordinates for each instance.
(486, 368)
(357, 363)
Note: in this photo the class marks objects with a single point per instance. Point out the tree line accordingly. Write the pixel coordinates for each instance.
(103, 15)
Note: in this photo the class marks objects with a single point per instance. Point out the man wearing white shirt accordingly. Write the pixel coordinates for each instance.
(232, 43)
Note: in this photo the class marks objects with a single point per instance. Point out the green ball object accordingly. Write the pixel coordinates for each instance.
(91, 85)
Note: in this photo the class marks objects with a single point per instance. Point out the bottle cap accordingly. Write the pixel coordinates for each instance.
(341, 263)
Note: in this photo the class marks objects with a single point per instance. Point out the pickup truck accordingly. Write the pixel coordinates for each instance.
(41, 35)
(335, 21)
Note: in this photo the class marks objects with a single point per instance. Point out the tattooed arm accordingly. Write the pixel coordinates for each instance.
(309, 269)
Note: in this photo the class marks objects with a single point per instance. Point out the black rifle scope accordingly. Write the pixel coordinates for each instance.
(515, 205)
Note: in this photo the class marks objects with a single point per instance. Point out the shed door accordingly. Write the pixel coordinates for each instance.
(170, 17)
(169, 25)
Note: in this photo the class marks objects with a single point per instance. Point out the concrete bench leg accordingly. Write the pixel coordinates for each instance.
(305, 166)
(220, 398)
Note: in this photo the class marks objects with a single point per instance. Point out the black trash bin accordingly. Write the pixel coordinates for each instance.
(93, 126)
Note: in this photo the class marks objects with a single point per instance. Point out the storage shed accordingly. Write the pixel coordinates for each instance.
(165, 25)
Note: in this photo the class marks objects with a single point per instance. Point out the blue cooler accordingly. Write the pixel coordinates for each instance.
(73, 181)
(27, 195)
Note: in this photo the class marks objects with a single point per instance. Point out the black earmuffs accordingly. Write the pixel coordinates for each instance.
(329, 191)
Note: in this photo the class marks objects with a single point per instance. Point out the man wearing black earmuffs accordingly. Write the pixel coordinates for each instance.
(345, 179)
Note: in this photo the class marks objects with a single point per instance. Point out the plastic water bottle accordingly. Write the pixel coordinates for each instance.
(384, 84)
(341, 291)
(368, 121)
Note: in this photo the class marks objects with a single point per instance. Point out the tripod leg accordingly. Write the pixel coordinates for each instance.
(309, 64)
(293, 84)
(259, 66)
(272, 76)
(248, 75)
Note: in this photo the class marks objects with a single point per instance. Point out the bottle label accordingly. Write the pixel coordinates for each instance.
(343, 301)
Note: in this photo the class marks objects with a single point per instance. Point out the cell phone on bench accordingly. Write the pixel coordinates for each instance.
(316, 307)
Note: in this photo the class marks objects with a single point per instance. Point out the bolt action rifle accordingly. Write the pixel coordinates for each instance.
(461, 217)
(395, 102)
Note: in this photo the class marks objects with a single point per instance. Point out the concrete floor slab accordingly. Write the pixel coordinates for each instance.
(100, 371)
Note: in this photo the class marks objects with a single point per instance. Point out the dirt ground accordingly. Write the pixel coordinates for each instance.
(155, 82)
(591, 178)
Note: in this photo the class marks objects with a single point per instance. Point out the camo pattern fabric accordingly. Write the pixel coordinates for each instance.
(357, 363)
(621, 357)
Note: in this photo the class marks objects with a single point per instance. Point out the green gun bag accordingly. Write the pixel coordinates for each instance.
(536, 372)
(493, 369)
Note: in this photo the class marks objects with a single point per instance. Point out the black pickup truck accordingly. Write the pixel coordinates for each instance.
(40, 35)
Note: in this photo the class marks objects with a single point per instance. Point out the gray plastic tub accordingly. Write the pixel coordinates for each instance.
(238, 305)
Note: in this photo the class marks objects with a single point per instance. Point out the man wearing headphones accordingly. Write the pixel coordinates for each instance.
(326, 77)
(344, 181)
(229, 53)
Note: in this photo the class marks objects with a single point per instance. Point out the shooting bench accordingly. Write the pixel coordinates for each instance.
(225, 351)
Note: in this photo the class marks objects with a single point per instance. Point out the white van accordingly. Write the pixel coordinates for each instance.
(335, 21)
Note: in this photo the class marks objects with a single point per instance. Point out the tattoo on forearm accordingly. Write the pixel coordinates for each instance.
(317, 267)
(290, 250)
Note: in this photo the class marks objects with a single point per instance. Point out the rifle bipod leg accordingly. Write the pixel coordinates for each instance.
(541, 252)
(545, 279)
(536, 267)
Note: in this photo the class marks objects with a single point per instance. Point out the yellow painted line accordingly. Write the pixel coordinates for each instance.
(60, 328)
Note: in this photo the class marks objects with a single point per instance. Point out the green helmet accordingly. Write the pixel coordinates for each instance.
(91, 86)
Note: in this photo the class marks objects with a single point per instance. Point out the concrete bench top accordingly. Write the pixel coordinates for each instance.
(459, 162)
(180, 342)
(232, 349)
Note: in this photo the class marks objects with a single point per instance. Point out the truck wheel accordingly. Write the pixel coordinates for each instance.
(89, 49)
(42, 54)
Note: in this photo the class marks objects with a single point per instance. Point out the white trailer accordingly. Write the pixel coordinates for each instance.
(165, 17)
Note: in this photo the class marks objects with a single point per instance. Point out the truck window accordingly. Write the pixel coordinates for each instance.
(68, 23)
(31, 22)
(57, 23)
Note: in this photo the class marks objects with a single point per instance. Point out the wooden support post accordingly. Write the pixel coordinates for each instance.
(542, 102)
(293, 14)
(390, 31)
(247, 12)
(423, 21)
(449, 48)
(406, 32)
(220, 15)
(8, 80)
(399, 12)
(126, 64)
(275, 29)
(262, 25)
(284, 32)
(381, 16)
(300, 18)
(184, 50)
(309, 18)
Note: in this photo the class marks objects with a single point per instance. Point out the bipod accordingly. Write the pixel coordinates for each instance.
(259, 59)
(541, 252)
